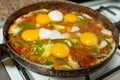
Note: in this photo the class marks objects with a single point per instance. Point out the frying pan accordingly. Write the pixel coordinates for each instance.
(51, 4)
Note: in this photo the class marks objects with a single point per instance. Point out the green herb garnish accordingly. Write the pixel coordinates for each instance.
(39, 51)
(38, 43)
(48, 62)
(27, 25)
(94, 49)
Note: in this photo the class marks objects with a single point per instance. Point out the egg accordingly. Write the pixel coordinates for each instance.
(88, 39)
(70, 17)
(60, 50)
(30, 35)
(42, 19)
(56, 15)
(51, 34)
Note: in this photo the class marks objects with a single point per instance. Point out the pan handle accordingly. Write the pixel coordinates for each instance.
(4, 51)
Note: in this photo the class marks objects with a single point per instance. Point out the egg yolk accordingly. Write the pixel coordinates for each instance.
(30, 35)
(70, 17)
(42, 19)
(60, 50)
(88, 39)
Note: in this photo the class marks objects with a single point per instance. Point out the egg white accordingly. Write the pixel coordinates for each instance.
(103, 44)
(75, 28)
(51, 34)
(55, 15)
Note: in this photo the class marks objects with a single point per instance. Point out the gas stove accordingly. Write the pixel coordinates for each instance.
(10, 70)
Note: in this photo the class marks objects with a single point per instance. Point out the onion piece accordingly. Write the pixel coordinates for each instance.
(103, 44)
(72, 63)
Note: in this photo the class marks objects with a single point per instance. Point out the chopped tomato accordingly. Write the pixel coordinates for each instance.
(83, 57)
(33, 58)
(23, 50)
